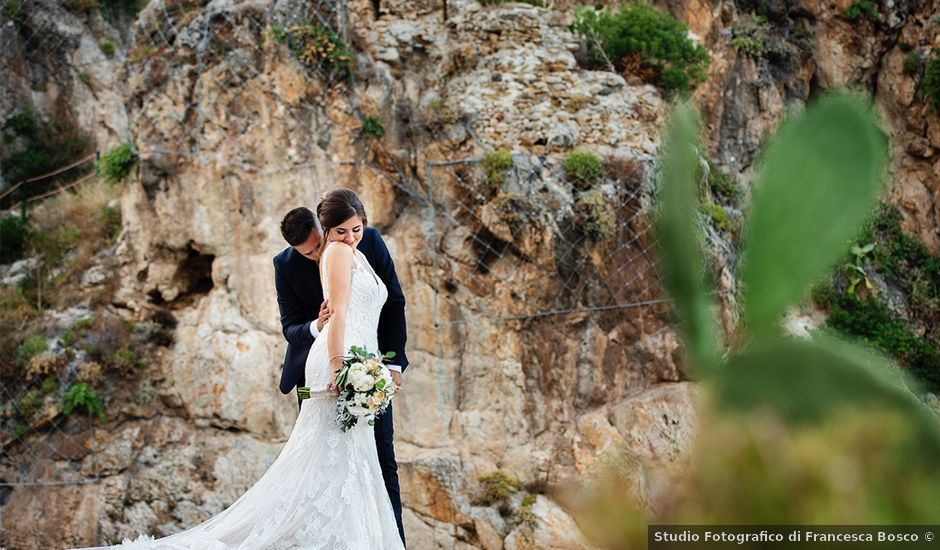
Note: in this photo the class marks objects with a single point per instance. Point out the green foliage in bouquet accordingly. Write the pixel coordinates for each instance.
(365, 387)
(365, 391)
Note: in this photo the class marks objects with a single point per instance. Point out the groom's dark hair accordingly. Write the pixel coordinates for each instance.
(297, 225)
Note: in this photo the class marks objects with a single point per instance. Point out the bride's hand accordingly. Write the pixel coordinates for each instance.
(331, 386)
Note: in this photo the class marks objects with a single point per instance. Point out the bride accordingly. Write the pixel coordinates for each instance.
(325, 489)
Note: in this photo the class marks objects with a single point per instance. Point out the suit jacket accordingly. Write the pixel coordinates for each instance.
(299, 295)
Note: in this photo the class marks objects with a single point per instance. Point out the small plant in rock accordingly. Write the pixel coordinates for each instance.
(911, 64)
(595, 215)
(856, 270)
(583, 169)
(126, 358)
(722, 183)
(524, 512)
(30, 403)
(20, 430)
(862, 9)
(117, 163)
(314, 45)
(930, 83)
(754, 36)
(110, 217)
(141, 52)
(717, 215)
(442, 112)
(498, 488)
(83, 324)
(495, 165)
(750, 34)
(372, 127)
(108, 47)
(31, 347)
(83, 398)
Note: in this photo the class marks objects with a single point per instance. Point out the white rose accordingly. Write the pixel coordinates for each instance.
(357, 368)
(356, 372)
(364, 383)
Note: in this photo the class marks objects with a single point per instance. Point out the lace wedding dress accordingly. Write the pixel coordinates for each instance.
(325, 489)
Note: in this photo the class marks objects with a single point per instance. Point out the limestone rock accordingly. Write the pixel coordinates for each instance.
(553, 530)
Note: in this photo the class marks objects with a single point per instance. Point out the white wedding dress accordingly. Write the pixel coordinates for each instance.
(325, 489)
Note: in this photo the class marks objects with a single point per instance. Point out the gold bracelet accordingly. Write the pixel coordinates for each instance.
(334, 357)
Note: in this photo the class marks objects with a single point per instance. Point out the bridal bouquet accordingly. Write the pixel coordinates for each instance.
(365, 387)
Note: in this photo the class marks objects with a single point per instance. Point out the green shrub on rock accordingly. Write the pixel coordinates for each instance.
(31, 347)
(117, 163)
(108, 47)
(637, 31)
(81, 396)
(372, 127)
(717, 214)
(583, 169)
(495, 165)
(911, 64)
(863, 8)
(930, 84)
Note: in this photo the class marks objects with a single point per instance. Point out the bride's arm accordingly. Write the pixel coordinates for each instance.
(339, 281)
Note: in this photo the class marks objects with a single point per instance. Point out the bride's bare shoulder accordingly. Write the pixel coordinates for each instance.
(336, 251)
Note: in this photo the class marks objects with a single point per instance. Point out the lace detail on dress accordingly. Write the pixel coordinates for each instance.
(325, 489)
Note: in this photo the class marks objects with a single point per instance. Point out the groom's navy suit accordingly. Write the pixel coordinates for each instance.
(299, 295)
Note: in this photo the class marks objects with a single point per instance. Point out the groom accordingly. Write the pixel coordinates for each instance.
(304, 312)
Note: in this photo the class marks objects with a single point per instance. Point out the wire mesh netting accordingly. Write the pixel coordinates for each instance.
(525, 240)
(556, 246)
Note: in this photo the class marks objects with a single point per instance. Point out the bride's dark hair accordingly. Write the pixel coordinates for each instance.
(336, 207)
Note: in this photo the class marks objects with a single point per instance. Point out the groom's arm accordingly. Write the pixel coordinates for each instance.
(393, 333)
(295, 321)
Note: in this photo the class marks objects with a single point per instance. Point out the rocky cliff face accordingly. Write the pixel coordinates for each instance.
(233, 131)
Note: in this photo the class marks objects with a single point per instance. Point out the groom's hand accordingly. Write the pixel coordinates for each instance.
(324, 314)
(396, 377)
